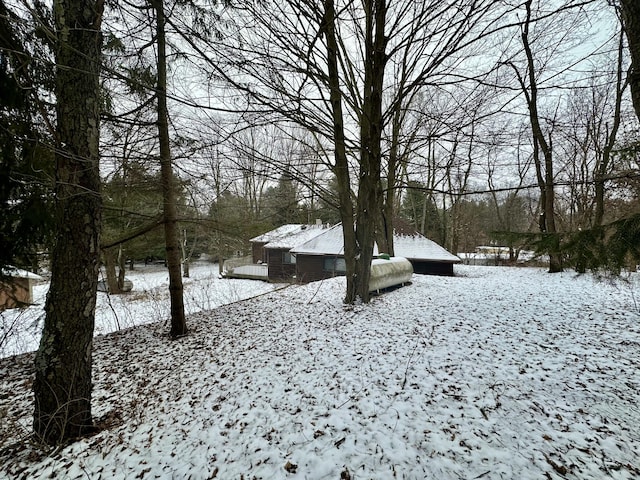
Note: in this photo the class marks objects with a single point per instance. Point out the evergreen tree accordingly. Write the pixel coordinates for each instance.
(420, 209)
(229, 230)
(281, 203)
(132, 218)
(26, 162)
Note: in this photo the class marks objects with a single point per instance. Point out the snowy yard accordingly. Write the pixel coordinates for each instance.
(496, 373)
(148, 302)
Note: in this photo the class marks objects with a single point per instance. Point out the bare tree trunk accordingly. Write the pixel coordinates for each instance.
(172, 239)
(385, 236)
(341, 168)
(603, 166)
(115, 281)
(423, 220)
(110, 269)
(546, 180)
(185, 255)
(122, 267)
(62, 385)
(630, 10)
(369, 201)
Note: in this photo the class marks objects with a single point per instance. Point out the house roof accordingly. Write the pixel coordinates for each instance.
(304, 234)
(413, 246)
(418, 247)
(330, 242)
(277, 233)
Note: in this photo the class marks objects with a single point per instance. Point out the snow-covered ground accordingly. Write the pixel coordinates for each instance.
(148, 302)
(496, 373)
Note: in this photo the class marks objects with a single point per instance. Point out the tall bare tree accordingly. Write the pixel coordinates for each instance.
(341, 165)
(138, 80)
(542, 145)
(169, 199)
(594, 116)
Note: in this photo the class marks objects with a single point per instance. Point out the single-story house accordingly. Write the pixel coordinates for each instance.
(426, 256)
(16, 287)
(270, 258)
(258, 252)
(323, 256)
(281, 263)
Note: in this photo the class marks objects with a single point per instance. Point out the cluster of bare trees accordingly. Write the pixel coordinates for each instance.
(369, 107)
(479, 101)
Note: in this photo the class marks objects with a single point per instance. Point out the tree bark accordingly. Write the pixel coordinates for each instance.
(385, 236)
(115, 280)
(62, 385)
(185, 255)
(370, 198)
(172, 238)
(341, 168)
(630, 12)
(603, 166)
(113, 285)
(546, 180)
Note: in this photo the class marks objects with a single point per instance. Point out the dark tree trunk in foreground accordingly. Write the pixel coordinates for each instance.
(630, 10)
(370, 199)
(172, 238)
(62, 385)
(358, 242)
(341, 168)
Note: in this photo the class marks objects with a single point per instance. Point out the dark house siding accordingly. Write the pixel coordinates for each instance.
(311, 268)
(425, 267)
(278, 269)
(258, 252)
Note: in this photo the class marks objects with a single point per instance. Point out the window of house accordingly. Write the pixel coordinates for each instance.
(288, 258)
(332, 264)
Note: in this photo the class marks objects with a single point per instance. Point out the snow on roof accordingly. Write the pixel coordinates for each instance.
(11, 271)
(418, 247)
(277, 233)
(330, 242)
(306, 233)
(414, 247)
